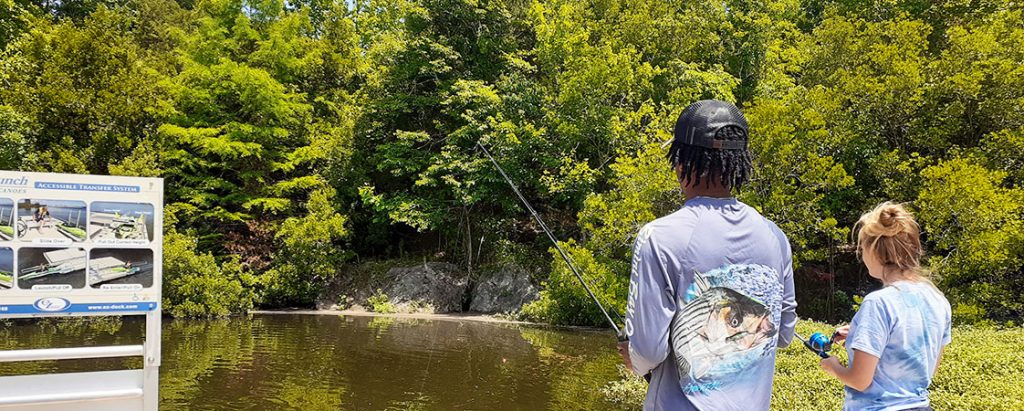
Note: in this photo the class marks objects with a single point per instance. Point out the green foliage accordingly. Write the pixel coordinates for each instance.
(237, 118)
(239, 105)
(798, 183)
(380, 303)
(14, 19)
(307, 257)
(629, 391)
(14, 144)
(196, 285)
(565, 301)
(143, 162)
(979, 224)
(1002, 151)
(978, 79)
(980, 370)
(86, 93)
(642, 189)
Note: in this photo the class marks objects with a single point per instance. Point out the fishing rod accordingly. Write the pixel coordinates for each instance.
(568, 261)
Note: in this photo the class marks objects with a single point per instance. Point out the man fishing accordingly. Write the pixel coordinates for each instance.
(711, 289)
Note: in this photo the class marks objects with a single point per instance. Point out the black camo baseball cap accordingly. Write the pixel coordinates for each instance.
(700, 123)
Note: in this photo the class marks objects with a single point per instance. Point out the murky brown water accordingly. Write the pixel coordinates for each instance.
(320, 362)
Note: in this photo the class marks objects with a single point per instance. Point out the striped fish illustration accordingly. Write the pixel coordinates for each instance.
(715, 323)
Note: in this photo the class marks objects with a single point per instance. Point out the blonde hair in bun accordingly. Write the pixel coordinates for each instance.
(891, 234)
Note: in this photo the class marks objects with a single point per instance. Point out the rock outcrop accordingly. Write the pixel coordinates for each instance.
(431, 287)
(504, 290)
(438, 285)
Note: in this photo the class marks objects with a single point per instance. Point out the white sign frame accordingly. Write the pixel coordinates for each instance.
(115, 390)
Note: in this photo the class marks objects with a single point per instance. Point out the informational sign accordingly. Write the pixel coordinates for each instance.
(75, 245)
(79, 244)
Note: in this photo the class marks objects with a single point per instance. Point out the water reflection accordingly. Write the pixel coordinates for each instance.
(353, 363)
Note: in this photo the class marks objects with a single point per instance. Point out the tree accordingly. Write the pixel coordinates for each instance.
(87, 92)
(978, 225)
(307, 257)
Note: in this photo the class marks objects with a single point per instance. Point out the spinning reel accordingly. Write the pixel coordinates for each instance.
(819, 343)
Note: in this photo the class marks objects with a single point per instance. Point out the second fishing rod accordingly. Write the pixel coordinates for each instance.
(568, 261)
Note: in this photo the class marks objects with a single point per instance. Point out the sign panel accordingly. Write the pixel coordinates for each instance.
(75, 244)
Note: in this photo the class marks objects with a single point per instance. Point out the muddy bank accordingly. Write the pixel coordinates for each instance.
(458, 317)
(465, 316)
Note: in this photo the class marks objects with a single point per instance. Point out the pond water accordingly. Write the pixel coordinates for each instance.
(314, 362)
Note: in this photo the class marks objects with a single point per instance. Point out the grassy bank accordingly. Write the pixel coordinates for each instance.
(982, 369)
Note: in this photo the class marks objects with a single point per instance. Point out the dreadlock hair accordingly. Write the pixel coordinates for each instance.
(733, 167)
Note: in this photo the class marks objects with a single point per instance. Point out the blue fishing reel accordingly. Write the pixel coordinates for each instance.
(818, 343)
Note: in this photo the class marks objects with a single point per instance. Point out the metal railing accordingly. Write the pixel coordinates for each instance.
(71, 397)
(73, 353)
(84, 393)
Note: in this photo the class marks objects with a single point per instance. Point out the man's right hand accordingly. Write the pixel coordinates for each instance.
(624, 352)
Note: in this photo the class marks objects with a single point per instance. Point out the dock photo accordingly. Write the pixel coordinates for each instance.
(7, 220)
(6, 268)
(51, 266)
(120, 222)
(51, 220)
(120, 266)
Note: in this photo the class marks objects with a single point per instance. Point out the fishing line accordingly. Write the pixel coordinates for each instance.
(554, 241)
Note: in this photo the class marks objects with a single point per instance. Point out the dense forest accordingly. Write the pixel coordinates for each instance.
(298, 138)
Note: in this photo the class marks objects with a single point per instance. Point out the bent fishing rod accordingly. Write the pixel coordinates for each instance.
(618, 332)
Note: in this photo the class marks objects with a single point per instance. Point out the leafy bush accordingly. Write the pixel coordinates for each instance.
(380, 303)
(564, 301)
(628, 391)
(978, 223)
(196, 286)
(308, 255)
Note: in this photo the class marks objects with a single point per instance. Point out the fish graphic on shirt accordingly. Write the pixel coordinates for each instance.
(716, 324)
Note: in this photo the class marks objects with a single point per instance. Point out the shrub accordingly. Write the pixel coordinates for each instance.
(307, 256)
(628, 391)
(564, 301)
(196, 286)
(380, 303)
(977, 221)
(983, 369)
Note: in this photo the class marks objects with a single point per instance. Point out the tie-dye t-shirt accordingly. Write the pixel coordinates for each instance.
(905, 325)
(710, 299)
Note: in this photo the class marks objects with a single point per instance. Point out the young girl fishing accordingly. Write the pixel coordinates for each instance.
(896, 339)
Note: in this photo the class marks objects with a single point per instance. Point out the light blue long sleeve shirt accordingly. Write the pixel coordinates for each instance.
(710, 298)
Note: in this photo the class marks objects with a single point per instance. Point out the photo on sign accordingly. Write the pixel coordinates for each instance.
(6, 268)
(51, 266)
(60, 220)
(115, 266)
(118, 222)
(7, 219)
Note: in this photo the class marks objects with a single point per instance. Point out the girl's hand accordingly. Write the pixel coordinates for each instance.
(831, 366)
(841, 333)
